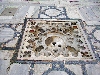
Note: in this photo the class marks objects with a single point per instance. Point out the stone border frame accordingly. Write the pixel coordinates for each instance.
(97, 27)
(68, 62)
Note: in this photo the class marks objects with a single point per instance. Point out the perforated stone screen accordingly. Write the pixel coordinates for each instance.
(54, 40)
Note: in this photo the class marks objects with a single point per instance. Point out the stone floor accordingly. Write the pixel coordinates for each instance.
(52, 12)
(14, 29)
